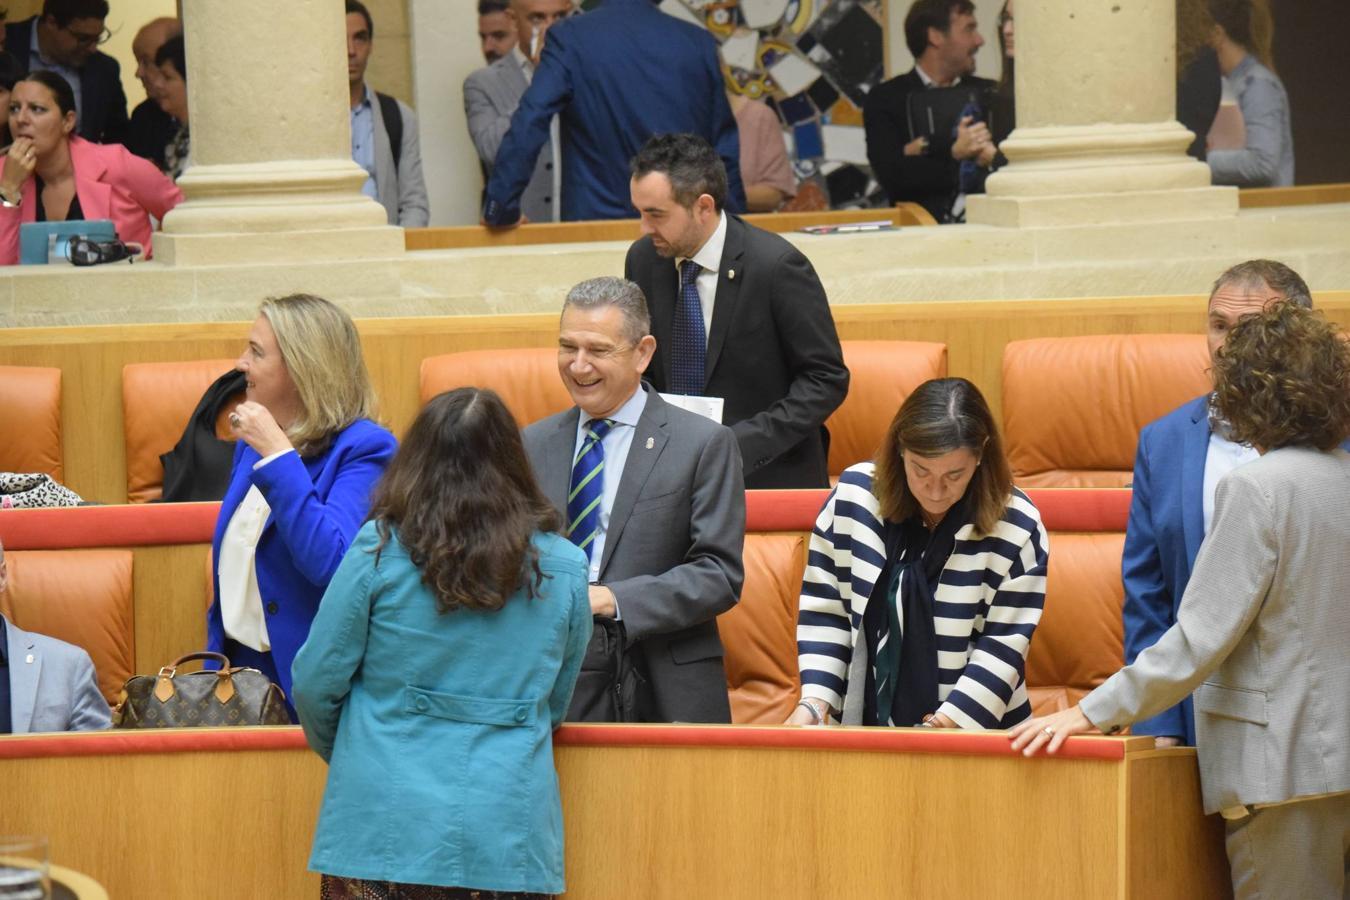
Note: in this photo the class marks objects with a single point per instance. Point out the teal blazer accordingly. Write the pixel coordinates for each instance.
(438, 728)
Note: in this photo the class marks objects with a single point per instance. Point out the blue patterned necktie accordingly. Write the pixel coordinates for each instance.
(689, 342)
(588, 486)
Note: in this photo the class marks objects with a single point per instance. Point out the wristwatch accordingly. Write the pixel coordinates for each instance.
(10, 202)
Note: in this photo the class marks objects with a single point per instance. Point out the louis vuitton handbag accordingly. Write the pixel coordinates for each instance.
(227, 696)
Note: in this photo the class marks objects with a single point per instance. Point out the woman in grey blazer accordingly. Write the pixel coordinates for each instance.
(1264, 626)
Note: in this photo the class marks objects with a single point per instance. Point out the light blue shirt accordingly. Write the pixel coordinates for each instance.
(1267, 158)
(363, 141)
(36, 62)
(616, 445)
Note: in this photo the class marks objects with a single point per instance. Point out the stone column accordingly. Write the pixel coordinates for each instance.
(1097, 141)
(272, 178)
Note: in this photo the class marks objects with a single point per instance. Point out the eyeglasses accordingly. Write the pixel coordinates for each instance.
(88, 40)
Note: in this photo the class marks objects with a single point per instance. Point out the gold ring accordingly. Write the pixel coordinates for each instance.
(1048, 730)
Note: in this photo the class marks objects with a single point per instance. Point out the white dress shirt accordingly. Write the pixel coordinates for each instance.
(241, 605)
(709, 256)
(1222, 457)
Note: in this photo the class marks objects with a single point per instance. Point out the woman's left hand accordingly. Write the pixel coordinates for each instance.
(1031, 735)
(252, 423)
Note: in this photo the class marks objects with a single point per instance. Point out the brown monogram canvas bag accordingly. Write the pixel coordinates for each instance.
(228, 696)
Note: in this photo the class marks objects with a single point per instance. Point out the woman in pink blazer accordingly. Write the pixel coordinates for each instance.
(52, 175)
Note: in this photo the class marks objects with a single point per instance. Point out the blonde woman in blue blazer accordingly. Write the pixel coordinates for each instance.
(306, 460)
(443, 656)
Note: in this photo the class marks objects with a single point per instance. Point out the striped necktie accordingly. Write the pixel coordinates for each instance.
(588, 486)
(689, 342)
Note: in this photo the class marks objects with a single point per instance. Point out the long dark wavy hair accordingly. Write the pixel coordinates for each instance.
(461, 499)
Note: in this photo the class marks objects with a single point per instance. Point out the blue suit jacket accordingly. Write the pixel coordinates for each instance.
(616, 76)
(437, 726)
(318, 504)
(1162, 538)
(1166, 528)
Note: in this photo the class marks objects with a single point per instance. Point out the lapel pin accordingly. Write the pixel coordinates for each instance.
(651, 442)
(731, 274)
(29, 659)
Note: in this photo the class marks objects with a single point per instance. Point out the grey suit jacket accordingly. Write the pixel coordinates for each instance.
(491, 95)
(672, 553)
(1262, 631)
(403, 191)
(57, 691)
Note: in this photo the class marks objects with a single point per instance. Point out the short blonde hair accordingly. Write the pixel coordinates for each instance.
(322, 352)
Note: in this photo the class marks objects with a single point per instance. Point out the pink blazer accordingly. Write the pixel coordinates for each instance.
(111, 183)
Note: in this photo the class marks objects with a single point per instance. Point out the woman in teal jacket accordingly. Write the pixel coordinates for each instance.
(442, 657)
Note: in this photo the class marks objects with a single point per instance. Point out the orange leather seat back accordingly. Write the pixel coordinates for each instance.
(30, 408)
(1073, 407)
(157, 401)
(526, 379)
(1079, 642)
(881, 375)
(759, 634)
(83, 597)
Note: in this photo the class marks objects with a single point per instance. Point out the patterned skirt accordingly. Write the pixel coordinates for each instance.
(335, 888)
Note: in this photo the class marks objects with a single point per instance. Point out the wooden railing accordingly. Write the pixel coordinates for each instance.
(466, 236)
(1301, 195)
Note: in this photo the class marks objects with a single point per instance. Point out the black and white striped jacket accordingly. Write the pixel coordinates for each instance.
(986, 605)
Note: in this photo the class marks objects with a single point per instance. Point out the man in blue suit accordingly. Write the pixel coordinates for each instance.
(1177, 467)
(614, 77)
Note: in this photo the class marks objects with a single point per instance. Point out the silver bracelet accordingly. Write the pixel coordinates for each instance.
(811, 708)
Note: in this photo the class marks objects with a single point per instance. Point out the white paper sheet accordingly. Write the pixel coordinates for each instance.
(677, 9)
(708, 407)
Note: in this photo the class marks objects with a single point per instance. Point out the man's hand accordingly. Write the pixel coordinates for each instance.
(986, 155)
(970, 137)
(1166, 742)
(602, 601)
(916, 147)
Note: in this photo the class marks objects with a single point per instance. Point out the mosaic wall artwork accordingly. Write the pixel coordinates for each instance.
(812, 62)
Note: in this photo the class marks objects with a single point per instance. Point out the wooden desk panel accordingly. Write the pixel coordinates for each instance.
(661, 811)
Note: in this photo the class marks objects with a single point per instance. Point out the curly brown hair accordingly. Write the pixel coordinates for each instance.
(461, 498)
(942, 415)
(1282, 379)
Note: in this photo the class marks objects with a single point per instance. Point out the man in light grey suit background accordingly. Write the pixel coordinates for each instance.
(492, 93)
(1263, 628)
(379, 122)
(665, 546)
(45, 684)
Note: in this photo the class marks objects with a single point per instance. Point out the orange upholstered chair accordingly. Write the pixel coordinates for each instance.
(30, 407)
(881, 375)
(1079, 642)
(526, 378)
(83, 597)
(759, 634)
(1073, 407)
(157, 401)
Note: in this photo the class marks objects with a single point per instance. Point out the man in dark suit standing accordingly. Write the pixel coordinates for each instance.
(652, 494)
(65, 39)
(614, 76)
(937, 168)
(738, 313)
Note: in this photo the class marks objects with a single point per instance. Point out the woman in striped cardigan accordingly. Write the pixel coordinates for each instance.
(925, 577)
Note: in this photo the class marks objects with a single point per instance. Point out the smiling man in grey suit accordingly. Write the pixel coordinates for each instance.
(492, 93)
(652, 493)
(45, 684)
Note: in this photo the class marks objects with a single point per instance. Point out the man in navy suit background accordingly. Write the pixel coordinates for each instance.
(65, 39)
(615, 76)
(1177, 467)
